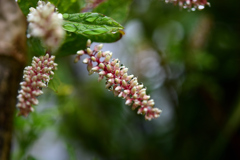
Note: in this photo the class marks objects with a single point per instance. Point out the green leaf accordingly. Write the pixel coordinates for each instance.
(72, 44)
(25, 5)
(107, 37)
(116, 9)
(54, 83)
(35, 48)
(94, 26)
(70, 6)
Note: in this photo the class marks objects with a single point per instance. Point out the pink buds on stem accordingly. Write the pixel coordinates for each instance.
(118, 81)
(35, 78)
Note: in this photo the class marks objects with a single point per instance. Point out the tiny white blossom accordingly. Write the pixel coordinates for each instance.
(46, 24)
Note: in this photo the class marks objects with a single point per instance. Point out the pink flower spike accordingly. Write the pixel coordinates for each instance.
(120, 83)
(34, 79)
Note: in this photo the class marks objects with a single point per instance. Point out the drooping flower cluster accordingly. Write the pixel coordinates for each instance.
(35, 78)
(46, 24)
(190, 4)
(118, 81)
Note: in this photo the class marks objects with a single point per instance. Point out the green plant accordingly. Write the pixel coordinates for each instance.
(80, 27)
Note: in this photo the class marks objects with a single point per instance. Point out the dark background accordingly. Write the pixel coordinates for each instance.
(190, 63)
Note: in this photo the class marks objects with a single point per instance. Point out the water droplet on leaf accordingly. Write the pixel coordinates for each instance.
(70, 27)
(90, 19)
(65, 16)
(96, 31)
(81, 15)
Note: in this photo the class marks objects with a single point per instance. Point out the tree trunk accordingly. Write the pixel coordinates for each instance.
(12, 61)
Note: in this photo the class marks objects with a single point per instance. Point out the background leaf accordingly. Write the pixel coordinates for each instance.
(107, 37)
(35, 48)
(25, 5)
(54, 83)
(69, 6)
(72, 44)
(118, 10)
(94, 26)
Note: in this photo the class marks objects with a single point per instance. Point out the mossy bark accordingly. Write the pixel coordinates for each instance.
(12, 61)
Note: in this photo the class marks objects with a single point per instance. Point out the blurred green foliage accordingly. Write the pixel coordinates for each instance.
(117, 10)
(200, 56)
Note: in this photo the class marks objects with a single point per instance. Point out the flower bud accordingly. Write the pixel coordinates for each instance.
(125, 76)
(89, 51)
(117, 72)
(95, 69)
(117, 80)
(99, 47)
(109, 68)
(45, 62)
(102, 73)
(133, 90)
(89, 43)
(129, 77)
(118, 88)
(146, 97)
(125, 70)
(93, 59)
(128, 102)
(80, 53)
(120, 94)
(107, 58)
(86, 60)
(109, 75)
(124, 83)
(101, 65)
(89, 66)
(99, 54)
(126, 91)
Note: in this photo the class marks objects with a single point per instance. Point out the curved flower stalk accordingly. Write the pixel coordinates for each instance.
(46, 24)
(190, 4)
(35, 77)
(118, 81)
